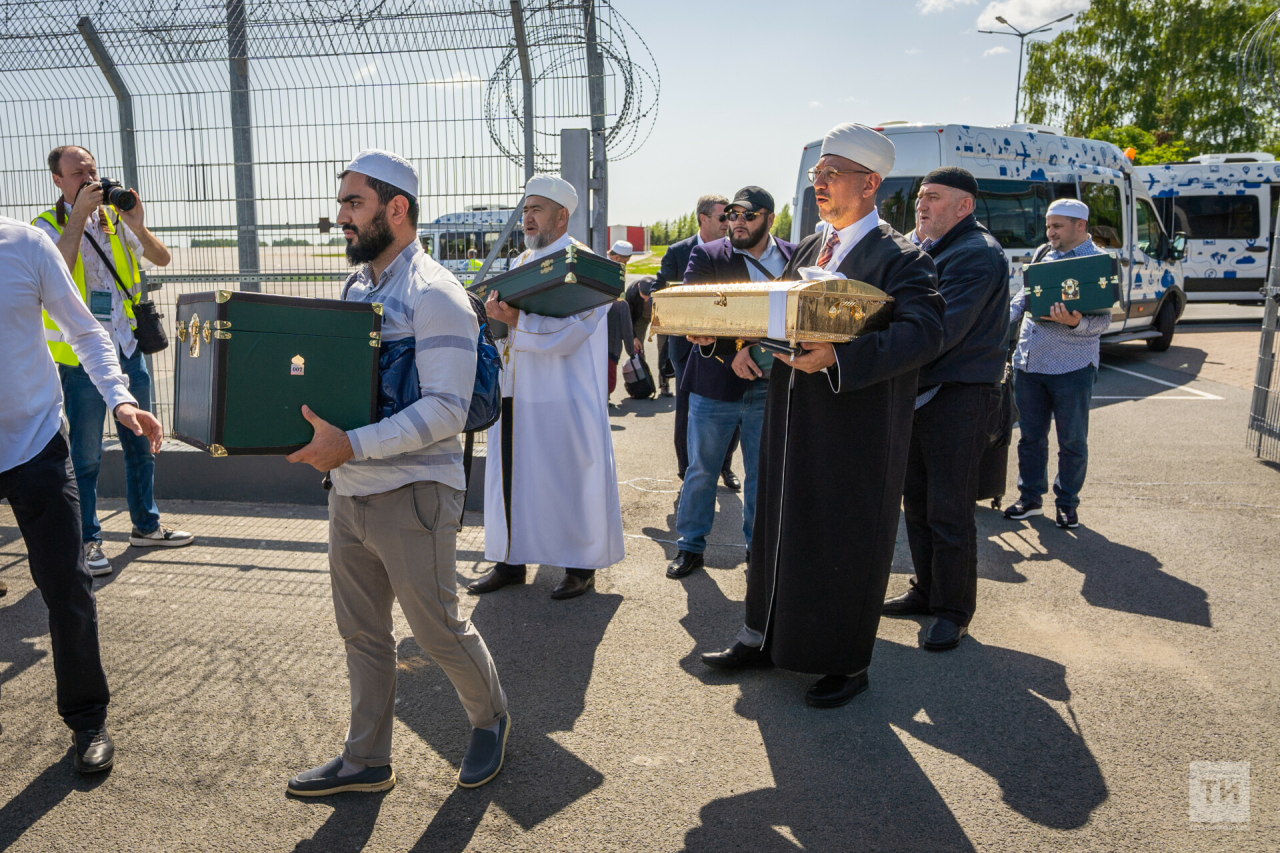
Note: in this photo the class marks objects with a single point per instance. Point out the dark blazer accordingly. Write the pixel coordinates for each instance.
(973, 276)
(709, 372)
(671, 272)
(641, 310)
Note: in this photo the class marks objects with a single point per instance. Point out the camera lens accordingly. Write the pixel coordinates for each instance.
(120, 198)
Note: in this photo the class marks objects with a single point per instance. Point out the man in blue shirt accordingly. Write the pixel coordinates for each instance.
(1056, 364)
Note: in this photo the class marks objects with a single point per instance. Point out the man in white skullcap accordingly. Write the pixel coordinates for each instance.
(833, 450)
(395, 506)
(1055, 364)
(552, 497)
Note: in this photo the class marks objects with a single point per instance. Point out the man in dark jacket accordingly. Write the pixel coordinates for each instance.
(725, 381)
(955, 406)
(712, 225)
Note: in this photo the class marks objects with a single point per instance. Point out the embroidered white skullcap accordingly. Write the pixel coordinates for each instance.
(388, 167)
(1069, 207)
(862, 145)
(555, 188)
(622, 247)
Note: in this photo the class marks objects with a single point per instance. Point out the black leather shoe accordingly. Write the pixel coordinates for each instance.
(1023, 509)
(910, 603)
(731, 481)
(573, 586)
(501, 575)
(832, 691)
(684, 564)
(943, 635)
(324, 780)
(738, 656)
(4, 589)
(95, 751)
(1066, 517)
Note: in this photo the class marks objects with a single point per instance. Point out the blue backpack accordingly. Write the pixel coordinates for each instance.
(398, 386)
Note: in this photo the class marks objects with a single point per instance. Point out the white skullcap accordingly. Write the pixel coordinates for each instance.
(622, 247)
(1069, 207)
(862, 145)
(555, 188)
(388, 167)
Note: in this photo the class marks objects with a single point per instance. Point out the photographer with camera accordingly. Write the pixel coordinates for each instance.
(97, 226)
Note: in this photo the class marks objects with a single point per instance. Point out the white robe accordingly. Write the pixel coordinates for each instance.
(565, 509)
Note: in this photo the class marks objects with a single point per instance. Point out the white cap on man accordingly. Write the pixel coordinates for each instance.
(862, 145)
(387, 167)
(555, 188)
(622, 247)
(1069, 207)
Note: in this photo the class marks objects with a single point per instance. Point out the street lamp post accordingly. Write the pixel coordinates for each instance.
(1022, 36)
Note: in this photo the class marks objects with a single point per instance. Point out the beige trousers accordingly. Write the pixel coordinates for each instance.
(399, 546)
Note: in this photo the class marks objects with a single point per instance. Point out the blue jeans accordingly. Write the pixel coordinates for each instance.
(711, 426)
(1065, 397)
(86, 412)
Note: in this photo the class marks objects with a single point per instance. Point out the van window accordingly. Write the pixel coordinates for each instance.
(454, 245)
(1218, 217)
(510, 249)
(427, 241)
(896, 201)
(1148, 228)
(1013, 211)
(808, 213)
(1106, 216)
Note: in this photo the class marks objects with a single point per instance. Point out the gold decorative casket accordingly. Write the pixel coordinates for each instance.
(827, 309)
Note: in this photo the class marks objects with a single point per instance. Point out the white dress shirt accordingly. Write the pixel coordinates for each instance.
(36, 277)
(771, 260)
(849, 237)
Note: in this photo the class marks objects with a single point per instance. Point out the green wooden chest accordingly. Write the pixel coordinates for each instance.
(245, 363)
(563, 283)
(1090, 285)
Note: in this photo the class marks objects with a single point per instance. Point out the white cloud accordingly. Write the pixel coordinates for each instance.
(1029, 13)
(912, 51)
(367, 71)
(815, 103)
(458, 78)
(995, 51)
(928, 7)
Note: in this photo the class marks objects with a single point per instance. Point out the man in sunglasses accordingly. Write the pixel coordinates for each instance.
(833, 450)
(726, 379)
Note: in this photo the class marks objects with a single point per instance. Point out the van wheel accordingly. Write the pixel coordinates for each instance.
(1165, 320)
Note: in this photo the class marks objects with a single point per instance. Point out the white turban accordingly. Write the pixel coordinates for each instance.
(622, 247)
(557, 189)
(862, 145)
(388, 167)
(1069, 207)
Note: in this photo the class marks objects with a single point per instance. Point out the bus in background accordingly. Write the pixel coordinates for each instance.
(449, 239)
(1021, 169)
(1226, 205)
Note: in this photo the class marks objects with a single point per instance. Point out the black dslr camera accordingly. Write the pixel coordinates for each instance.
(114, 194)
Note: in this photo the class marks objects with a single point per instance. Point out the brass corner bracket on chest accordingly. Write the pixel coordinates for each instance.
(217, 450)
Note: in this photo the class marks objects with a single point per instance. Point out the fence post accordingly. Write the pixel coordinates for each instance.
(1261, 415)
(526, 78)
(599, 184)
(575, 167)
(242, 142)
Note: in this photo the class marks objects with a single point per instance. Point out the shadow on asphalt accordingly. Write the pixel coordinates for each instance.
(848, 779)
(1116, 576)
(43, 795)
(547, 652)
(348, 827)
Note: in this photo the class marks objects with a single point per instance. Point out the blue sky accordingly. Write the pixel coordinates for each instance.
(745, 85)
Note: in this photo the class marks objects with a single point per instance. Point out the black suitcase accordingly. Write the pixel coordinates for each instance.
(993, 470)
(637, 379)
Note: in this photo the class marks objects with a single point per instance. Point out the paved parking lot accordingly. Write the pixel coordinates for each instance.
(1102, 663)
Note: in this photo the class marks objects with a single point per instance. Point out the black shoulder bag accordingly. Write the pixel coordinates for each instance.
(148, 330)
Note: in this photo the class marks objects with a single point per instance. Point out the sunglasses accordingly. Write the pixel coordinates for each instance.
(750, 217)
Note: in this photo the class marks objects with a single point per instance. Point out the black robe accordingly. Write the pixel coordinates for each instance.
(832, 466)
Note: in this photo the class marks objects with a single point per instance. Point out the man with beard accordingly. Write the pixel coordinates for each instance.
(396, 504)
(552, 499)
(958, 398)
(726, 380)
(833, 450)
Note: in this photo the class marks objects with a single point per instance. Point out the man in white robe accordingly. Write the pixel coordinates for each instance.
(551, 488)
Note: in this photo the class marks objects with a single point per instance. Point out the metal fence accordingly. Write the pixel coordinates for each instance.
(233, 119)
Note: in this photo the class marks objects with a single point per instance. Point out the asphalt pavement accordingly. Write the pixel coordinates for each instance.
(1104, 664)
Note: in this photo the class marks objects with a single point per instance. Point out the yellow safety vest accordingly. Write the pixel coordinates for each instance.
(474, 264)
(126, 267)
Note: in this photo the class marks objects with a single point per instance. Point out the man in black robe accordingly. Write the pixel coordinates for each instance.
(833, 452)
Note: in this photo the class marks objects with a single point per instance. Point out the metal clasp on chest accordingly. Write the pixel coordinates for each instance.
(1070, 289)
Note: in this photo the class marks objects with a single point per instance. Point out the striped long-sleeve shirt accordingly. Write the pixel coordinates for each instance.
(1055, 348)
(422, 300)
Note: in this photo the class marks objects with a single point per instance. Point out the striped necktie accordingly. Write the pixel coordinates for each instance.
(824, 257)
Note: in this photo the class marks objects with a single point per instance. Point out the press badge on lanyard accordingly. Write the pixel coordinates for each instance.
(100, 304)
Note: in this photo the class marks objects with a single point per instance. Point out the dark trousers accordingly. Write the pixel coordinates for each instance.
(948, 437)
(46, 503)
(679, 358)
(1065, 397)
(666, 369)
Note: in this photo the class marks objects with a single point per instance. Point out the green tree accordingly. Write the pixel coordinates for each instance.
(1149, 152)
(1165, 66)
(782, 223)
